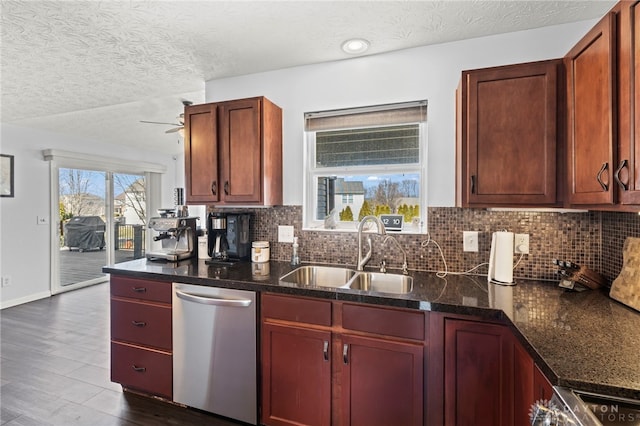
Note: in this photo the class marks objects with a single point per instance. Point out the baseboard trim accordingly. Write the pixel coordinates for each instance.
(21, 300)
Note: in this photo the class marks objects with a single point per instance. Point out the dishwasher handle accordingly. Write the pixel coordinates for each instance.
(214, 301)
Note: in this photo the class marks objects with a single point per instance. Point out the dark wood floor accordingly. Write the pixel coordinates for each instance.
(54, 368)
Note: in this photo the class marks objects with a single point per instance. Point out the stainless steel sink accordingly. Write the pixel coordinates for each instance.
(382, 282)
(318, 276)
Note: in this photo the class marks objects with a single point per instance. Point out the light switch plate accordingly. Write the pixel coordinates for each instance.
(285, 234)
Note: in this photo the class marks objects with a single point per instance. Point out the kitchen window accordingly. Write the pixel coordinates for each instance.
(367, 160)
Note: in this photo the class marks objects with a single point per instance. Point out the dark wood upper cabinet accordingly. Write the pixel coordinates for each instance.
(627, 171)
(508, 130)
(591, 102)
(233, 153)
(201, 153)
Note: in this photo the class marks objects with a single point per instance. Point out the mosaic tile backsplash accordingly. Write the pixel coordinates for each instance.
(593, 239)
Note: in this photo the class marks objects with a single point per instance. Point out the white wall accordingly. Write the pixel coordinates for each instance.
(24, 245)
(430, 72)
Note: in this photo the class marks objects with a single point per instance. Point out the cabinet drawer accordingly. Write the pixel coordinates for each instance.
(142, 369)
(137, 288)
(296, 309)
(141, 323)
(384, 321)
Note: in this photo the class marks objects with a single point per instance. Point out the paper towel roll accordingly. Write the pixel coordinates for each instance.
(503, 267)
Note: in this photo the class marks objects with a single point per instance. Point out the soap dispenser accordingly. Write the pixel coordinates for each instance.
(295, 258)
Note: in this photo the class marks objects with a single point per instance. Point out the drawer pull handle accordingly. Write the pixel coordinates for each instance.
(473, 184)
(604, 167)
(345, 354)
(616, 176)
(139, 289)
(325, 350)
(138, 369)
(139, 323)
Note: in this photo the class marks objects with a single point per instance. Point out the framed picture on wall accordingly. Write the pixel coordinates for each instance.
(6, 175)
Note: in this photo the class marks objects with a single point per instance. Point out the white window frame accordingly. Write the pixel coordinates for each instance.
(312, 172)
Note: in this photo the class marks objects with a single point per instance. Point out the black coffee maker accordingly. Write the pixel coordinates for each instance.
(228, 236)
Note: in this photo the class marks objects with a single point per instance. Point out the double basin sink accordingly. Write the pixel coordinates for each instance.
(336, 277)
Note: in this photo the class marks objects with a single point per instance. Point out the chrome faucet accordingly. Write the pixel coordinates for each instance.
(405, 266)
(381, 231)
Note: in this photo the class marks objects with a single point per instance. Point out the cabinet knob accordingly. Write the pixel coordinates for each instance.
(345, 354)
(473, 184)
(325, 350)
(616, 176)
(214, 187)
(605, 187)
(226, 188)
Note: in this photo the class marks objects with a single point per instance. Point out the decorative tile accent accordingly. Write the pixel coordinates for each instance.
(593, 239)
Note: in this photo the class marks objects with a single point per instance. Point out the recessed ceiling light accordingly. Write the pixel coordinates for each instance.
(355, 46)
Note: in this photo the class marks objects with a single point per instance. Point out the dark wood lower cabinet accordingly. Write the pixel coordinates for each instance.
(141, 335)
(142, 369)
(477, 373)
(542, 389)
(382, 382)
(339, 363)
(296, 376)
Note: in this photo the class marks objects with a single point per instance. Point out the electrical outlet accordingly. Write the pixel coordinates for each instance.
(6, 281)
(521, 244)
(42, 220)
(285, 234)
(470, 240)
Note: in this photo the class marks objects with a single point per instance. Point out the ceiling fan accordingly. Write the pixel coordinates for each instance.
(179, 125)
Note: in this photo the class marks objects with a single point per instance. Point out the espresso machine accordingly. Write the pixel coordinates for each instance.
(228, 236)
(177, 235)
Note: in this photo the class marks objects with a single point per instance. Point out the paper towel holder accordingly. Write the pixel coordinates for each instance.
(501, 259)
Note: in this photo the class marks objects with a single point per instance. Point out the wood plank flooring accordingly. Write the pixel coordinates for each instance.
(54, 368)
(77, 266)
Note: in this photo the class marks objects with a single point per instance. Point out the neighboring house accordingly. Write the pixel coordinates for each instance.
(130, 205)
(83, 204)
(348, 194)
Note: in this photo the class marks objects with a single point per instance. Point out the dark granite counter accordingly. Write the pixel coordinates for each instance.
(584, 341)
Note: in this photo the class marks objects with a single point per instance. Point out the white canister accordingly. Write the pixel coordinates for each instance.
(260, 251)
(203, 247)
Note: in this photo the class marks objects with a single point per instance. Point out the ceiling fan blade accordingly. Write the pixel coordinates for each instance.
(160, 122)
(175, 129)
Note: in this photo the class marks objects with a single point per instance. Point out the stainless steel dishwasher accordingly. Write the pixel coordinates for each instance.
(214, 350)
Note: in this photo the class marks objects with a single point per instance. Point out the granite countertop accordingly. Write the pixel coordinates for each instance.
(584, 341)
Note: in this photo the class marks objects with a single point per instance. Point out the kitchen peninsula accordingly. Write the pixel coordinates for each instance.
(583, 341)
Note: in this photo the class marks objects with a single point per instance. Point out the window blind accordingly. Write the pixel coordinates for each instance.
(379, 115)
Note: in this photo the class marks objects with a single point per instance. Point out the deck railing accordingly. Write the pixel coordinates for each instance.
(130, 237)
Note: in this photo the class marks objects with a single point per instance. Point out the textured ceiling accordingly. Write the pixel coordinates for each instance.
(96, 68)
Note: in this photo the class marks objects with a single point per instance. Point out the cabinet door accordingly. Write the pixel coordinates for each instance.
(507, 140)
(477, 373)
(523, 387)
(542, 389)
(201, 154)
(296, 376)
(241, 151)
(591, 73)
(627, 173)
(382, 382)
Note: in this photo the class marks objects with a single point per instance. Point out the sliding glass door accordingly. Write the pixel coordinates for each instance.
(102, 217)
